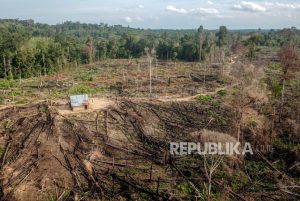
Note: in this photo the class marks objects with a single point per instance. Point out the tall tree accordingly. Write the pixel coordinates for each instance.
(222, 35)
(90, 50)
(101, 50)
(201, 39)
(151, 53)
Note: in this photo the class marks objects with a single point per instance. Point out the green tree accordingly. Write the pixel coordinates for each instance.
(222, 35)
(201, 39)
(113, 48)
(89, 50)
(102, 50)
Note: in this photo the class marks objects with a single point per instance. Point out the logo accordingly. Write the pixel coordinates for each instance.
(210, 148)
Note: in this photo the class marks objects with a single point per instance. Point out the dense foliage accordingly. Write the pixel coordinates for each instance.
(31, 49)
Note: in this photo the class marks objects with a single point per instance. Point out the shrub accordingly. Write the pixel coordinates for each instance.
(7, 84)
(222, 93)
(238, 180)
(85, 89)
(88, 75)
(204, 98)
(185, 189)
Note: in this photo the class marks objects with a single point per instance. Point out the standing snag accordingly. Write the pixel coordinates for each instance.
(289, 60)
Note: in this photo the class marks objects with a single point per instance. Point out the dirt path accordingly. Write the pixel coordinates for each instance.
(189, 98)
(102, 103)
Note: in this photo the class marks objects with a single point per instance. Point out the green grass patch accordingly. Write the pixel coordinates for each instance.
(204, 98)
(216, 116)
(85, 89)
(185, 189)
(58, 94)
(15, 92)
(7, 84)
(86, 75)
(285, 145)
(274, 66)
(256, 166)
(252, 123)
(238, 181)
(222, 93)
(22, 101)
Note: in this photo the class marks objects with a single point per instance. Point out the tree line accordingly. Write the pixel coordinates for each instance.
(31, 49)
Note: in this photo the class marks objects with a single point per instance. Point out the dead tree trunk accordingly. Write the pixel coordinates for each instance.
(44, 65)
(4, 66)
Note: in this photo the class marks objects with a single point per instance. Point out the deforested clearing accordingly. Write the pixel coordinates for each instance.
(88, 112)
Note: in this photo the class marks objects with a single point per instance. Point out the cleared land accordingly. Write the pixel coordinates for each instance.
(118, 149)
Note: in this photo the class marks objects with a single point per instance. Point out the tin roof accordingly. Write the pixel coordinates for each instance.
(79, 100)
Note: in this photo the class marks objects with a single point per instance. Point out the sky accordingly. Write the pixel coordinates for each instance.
(156, 14)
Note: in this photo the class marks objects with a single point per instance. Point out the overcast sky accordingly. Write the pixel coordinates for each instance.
(175, 14)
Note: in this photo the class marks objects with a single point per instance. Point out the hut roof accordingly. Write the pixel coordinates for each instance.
(79, 100)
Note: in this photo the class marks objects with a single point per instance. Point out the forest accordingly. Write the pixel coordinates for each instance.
(31, 49)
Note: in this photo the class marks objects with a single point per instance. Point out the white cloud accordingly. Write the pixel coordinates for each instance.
(249, 6)
(290, 6)
(141, 6)
(210, 2)
(177, 10)
(268, 3)
(133, 19)
(204, 11)
(128, 19)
